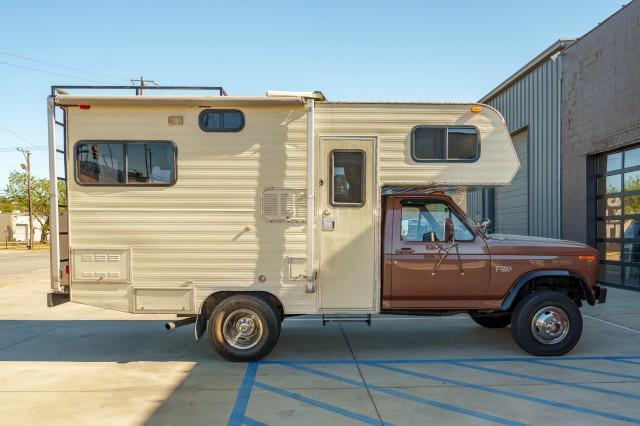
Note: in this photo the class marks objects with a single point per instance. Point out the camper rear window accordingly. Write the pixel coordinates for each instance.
(125, 163)
(221, 120)
(440, 144)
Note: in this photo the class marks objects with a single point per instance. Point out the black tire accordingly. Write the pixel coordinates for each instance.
(264, 322)
(556, 307)
(491, 320)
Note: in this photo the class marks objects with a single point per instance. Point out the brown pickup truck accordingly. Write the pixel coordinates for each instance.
(438, 262)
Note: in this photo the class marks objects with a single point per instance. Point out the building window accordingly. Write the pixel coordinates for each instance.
(347, 178)
(105, 162)
(440, 144)
(221, 120)
(618, 217)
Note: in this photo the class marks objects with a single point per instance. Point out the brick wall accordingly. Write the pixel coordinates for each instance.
(600, 107)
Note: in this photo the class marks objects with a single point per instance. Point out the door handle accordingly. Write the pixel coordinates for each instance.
(404, 250)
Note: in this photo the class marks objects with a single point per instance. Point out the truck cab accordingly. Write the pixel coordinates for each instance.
(436, 261)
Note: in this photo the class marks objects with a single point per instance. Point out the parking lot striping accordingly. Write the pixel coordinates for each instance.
(545, 380)
(441, 360)
(613, 324)
(584, 370)
(251, 422)
(237, 417)
(329, 407)
(517, 395)
(626, 361)
(410, 397)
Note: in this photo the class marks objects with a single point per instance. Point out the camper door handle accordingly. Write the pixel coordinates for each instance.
(404, 250)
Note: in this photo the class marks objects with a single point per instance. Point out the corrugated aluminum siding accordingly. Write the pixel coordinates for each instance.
(533, 102)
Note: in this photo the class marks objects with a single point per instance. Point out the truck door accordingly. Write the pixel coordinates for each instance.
(346, 278)
(418, 232)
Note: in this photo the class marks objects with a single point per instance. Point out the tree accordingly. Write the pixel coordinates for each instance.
(7, 205)
(17, 193)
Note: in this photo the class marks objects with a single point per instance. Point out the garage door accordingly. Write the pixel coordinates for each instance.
(512, 202)
(20, 232)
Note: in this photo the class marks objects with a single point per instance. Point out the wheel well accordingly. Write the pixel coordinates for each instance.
(213, 299)
(570, 286)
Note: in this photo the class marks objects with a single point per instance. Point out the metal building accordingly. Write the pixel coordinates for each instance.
(530, 102)
(574, 117)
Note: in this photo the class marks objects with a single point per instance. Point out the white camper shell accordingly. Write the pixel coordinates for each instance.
(175, 199)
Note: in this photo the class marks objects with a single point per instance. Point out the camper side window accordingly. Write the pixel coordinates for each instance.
(122, 163)
(347, 178)
(221, 120)
(441, 144)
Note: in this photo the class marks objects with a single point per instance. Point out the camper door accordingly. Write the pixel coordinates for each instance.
(348, 198)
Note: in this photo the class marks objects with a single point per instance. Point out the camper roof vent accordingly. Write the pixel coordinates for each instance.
(284, 205)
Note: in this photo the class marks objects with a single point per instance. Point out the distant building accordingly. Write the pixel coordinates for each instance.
(574, 114)
(15, 227)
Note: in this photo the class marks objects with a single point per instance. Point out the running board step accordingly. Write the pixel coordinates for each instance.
(355, 318)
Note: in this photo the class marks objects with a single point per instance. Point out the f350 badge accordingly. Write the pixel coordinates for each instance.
(503, 268)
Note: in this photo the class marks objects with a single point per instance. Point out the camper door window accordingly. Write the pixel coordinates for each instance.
(105, 162)
(444, 144)
(347, 178)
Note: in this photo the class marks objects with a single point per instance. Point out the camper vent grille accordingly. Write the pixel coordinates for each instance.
(284, 205)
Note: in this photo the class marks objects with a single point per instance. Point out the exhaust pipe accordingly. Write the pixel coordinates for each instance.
(179, 323)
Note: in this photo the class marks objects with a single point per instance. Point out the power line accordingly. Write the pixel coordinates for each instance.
(52, 73)
(34, 146)
(62, 66)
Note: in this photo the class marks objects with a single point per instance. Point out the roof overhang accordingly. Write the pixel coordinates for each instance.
(556, 47)
(317, 95)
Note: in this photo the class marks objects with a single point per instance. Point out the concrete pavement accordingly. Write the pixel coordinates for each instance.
(77, 364)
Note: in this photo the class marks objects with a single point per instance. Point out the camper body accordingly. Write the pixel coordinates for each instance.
(241, 211)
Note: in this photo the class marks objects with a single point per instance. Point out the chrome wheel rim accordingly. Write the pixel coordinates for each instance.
(242, 329)
(550, 325)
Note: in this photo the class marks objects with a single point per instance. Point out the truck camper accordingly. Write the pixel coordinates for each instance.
(236, 212)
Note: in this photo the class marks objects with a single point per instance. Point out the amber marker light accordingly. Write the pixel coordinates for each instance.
(589, 258)
(476, 108)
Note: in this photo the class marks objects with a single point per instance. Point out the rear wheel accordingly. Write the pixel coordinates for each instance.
(244, 328)
(547, 323)
(491, 320)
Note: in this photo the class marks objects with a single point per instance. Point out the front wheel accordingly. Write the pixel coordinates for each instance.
(244, 328)
(546, 323)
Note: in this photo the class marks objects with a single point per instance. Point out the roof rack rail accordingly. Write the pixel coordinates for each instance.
(62, 89)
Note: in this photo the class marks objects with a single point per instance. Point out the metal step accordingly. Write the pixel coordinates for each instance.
(353, 318)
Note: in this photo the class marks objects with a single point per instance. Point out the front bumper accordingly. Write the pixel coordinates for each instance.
(600, 293)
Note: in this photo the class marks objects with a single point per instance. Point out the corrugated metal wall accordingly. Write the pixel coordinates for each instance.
(533, 102)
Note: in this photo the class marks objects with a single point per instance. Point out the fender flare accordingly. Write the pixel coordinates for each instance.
(507, 302)
(200, 326)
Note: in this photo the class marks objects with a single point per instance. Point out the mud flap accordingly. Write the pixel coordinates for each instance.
(199, 327)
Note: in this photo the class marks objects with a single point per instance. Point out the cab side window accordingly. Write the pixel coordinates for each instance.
(422, 221)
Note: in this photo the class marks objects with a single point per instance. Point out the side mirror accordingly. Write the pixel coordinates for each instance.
(484, 225)
(449, 231)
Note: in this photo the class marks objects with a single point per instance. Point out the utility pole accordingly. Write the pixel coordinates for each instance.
(27, 167)
(140, 91)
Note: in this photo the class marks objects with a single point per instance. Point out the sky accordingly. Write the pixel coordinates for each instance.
(350, 50)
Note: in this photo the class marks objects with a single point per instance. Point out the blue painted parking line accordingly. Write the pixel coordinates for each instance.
(584, 370)
(237, 417)
(489, 389)
(251, 422)
(626, 361)
(545, 380)
(408, 396)
(329, 407)
(440, 360)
